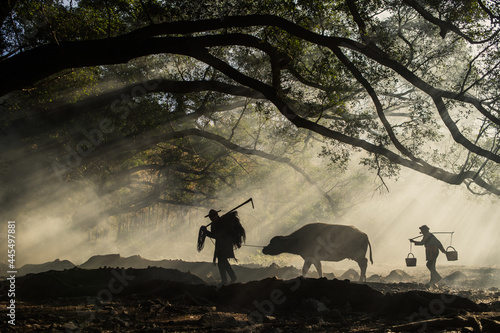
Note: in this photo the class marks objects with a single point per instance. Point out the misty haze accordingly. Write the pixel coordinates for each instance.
(132, 130)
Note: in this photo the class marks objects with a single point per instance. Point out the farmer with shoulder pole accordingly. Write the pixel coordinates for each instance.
(229, 234)
(432, 248)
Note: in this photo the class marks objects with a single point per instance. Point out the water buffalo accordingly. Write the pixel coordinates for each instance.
(318, 242)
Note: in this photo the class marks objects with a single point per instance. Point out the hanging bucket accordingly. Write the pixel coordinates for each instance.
(452, 254)
(411, 262)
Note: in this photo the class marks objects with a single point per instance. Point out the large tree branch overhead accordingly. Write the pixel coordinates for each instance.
(23, 69)
(202, 39)
(300, 122)
(28, 67)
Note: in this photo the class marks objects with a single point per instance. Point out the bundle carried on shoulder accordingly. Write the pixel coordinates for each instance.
(229, 225)
(236, 230)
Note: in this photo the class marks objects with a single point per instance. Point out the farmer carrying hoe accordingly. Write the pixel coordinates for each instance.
(229, 234)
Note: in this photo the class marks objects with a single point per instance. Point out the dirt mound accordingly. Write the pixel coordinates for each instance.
(266, 297)
(418, 304)
(256, 274)
(456, 278)
(158, 300)
(374, 278)
(484, 278)
(350, 274)
(275, 295)
(397, 276)
(101, 283)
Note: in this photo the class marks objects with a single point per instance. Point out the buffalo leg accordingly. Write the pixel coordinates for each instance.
(305, 268)
(307, 264)
(363, 263)
(317, 264)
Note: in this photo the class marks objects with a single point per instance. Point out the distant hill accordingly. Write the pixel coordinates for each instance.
(56, 265)
(205, 270)
(209, 272)
(116, 260)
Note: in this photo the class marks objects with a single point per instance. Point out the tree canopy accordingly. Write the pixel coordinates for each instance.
(162, 94)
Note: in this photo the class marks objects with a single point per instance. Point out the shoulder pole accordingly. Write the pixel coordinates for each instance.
(235, 208)
(437, 232)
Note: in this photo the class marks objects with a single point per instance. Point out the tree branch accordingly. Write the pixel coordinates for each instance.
(44, 121)
(28, 67)
(272, 96)
(444, 26)
(378, 105)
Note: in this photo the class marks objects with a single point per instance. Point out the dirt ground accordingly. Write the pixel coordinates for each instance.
(159, 315)
(156, 299)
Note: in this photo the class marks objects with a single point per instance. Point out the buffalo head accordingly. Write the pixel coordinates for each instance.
(278, 245)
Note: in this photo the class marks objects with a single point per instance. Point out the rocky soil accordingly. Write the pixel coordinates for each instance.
(101, 296)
